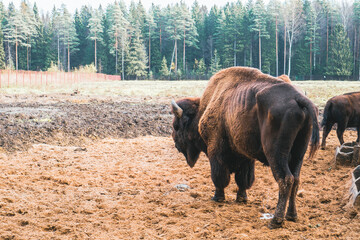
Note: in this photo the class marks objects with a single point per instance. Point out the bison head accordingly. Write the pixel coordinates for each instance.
(185, 129)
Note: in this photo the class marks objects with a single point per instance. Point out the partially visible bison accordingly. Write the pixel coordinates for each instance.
(285, 78)
(245, 115)
(343, 110)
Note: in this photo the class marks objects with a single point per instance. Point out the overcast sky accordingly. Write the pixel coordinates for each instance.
(47, 5)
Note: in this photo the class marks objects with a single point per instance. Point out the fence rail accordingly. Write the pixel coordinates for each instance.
(22, 78)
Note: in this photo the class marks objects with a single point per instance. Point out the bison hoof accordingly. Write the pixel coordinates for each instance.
(322, 147)
(218, 199)
(275, 223)
(241, 200)
(291, 218)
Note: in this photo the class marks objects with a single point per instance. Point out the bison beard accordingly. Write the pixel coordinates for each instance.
(245, 115)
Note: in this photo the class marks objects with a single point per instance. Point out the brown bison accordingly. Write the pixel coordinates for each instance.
(343, 110)
(245, 115)
(285, 78)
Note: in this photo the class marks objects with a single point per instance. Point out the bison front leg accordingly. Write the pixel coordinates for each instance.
(220, 176)
(244, 179)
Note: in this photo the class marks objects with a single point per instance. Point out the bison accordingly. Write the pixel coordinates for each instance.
(245, 115)
(285, 78)
(343, 110)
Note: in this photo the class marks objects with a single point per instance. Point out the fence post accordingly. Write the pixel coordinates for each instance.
(16, 79)
(8, 78)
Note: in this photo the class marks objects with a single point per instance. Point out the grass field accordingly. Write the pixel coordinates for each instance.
(318, 91)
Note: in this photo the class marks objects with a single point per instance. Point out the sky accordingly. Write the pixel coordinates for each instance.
(47, 5)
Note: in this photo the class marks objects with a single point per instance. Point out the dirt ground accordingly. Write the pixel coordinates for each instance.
(74, 167)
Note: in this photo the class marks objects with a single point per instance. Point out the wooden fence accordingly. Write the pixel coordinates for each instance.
(22, 78)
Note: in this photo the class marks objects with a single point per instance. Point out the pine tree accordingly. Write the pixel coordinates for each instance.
(69, 36)
(14, 32)
(260, 24)
(118, 32)
(173, 28)
(189, 34)
(164, 71)
(137, 58)
(2, 52)
(29, 29)
(340, 57)
(96, 30)
(41, 54)
(215, 64)
(201, 68)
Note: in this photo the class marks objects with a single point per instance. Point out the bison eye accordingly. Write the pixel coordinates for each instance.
(176, 127)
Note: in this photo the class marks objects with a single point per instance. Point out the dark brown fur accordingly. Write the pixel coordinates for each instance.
(343, 110)
(245, 115)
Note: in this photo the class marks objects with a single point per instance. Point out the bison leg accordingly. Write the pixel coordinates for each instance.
(285, 181)
(277, 149)
(220, 176)
(340, 131)
(326, 131)
(296, 159)
(244, 180)
(358, 134)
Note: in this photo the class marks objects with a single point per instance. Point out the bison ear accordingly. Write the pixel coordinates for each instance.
(176, 109)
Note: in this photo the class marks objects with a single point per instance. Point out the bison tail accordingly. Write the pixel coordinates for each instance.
(313, 112)
(326, 113)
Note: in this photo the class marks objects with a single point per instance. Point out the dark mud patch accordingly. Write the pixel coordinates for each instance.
(72, 122)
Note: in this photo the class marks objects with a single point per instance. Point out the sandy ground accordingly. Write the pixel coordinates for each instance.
(88, 178)
(127, 189)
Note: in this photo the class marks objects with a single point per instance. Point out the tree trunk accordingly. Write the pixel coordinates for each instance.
(290, 48)
(354, 52)
(310, 62)
(95, 54)
(314, 52)
(9, 56)
(16, 50)
(284, 48)
(68, 47)
(276, 47)
(251, 45)
(175, 51)
(259, 50)
(149, 49)
(235, 52)
(160, 41)
(58, 45)
(116, 54)
(27, 56)
(122, 57)
(327, 38)
(184, 51)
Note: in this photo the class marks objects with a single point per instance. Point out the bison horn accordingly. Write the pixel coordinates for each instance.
(176, 109)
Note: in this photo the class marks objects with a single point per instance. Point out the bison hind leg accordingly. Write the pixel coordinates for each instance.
(326, 130)
(244, 179)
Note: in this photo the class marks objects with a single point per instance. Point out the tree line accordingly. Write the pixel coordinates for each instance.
(305, 39)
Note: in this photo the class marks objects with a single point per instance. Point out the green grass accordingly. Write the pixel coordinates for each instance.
(318, 91)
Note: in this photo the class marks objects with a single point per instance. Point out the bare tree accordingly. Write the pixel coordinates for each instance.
(294, 21)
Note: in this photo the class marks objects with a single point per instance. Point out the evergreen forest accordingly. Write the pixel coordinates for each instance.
(305, 39)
